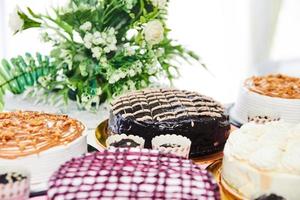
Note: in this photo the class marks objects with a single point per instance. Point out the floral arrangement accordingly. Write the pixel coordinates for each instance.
(101, 48)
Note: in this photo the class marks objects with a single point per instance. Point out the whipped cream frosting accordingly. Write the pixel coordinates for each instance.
(273, 146)
(263, 159)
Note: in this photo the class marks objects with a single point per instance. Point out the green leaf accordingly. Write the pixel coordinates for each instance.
(20, 73)
(28, 22)
(32, 13)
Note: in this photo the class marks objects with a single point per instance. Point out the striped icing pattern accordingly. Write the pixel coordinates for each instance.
(165, 104)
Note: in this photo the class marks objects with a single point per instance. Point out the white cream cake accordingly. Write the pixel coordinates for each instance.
(262, 159)
(40, 143)
(272, 96)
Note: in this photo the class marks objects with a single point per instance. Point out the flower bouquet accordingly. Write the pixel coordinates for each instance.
(101, 48)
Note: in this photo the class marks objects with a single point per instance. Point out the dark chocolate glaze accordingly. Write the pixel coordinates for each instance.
(208, 134)
(125, 143)
(152, 112)
(167, 145)
(11, 177)
(270, 197)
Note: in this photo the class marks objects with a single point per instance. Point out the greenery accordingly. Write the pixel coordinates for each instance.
(101, 48)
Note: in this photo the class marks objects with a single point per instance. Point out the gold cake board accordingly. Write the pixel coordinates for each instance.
(227, 192)
(101, 136)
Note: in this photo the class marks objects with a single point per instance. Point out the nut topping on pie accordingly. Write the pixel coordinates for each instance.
(26, 133)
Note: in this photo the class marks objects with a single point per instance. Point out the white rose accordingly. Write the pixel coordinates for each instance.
(131, 33)
(15, 22)
(159, 3)
(154, 32)
(86, 26)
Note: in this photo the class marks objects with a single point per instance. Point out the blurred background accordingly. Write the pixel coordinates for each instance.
(235, 39)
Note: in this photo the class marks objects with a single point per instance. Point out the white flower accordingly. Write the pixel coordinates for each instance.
(76, 37)
(15, 22)
(154, 32)
(103, 60)
(111, 32)
(143, 51)
(99, 91)
(113, 78)
(97, 38)
(131, 85)
(129, 4)
(86, 26)
(85, 97)
(153, 67)
(122, 74)
(83, 69)
(44, 37)
(104, 35)
(111, 39)
(173, 71)
(125, 88)
(88, 37)
(129, 50)
(160, 52)
(60, 76)
(90, 102)
(161, 4)
(153, 79)
(44, 80)
(64, 53)
(143, 83)
(106, 49)
(97, 52)
(131, 33)
(131, 73)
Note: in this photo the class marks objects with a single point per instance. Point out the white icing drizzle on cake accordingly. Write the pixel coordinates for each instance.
(165, 104)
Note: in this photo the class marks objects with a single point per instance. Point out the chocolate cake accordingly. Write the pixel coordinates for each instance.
(151, 112)
(270, 197)
(11, 177)
(167, 145)
(125, 143)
